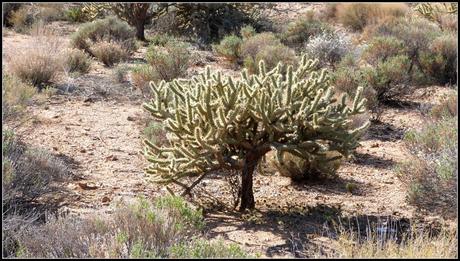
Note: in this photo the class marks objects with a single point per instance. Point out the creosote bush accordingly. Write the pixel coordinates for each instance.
(15, 95)
(216, 122)
(230, 48)
(169, 61)
(110, 29)
(299, 32)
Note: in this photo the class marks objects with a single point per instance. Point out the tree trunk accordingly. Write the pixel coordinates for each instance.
(140, 31)
(247, 195)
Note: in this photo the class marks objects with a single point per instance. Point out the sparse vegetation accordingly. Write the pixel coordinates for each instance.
(251, 113)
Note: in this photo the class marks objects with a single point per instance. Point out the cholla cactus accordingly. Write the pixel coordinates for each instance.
(435, 11)
(221, 123)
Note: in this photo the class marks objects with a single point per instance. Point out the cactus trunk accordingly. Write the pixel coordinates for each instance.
(247, 194)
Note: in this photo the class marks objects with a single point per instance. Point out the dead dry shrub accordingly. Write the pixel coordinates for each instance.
(447, 108)
(109, 53)
(21, 19)
(40, 63)
(358, 15)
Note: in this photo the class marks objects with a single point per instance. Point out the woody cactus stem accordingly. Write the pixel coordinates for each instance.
(216, 123)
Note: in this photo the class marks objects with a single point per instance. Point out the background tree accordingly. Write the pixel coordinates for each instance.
(216, 123)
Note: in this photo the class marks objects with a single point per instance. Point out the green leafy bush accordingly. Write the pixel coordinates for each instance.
(247, 32)
(15, 95)
(170, 61)
(109, 29)
(199, 248)
(230, 48)
(76, 14)
(382, 47)
(299, 32)
(440, 61)
(272, 55)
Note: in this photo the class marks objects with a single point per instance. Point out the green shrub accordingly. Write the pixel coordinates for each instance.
(77, 61)
(75, 14)
(440, 61)
(247, 32)
(382, 47)
(170, 61)
(109, 29)
(141, 230)
(109, 53)
(388, 78)
(199, 248)
(299, 32)
(252, 45)
(15, 95)
(272, 55)
(230, 48)
(141, 75)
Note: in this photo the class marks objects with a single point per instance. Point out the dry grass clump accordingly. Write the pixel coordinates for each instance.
(420, 244)
(77, 61)
(359, 15)
(109, 53)
(40, 63)
(430, 173)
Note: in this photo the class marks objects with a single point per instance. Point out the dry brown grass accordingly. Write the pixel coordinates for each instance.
(41, 62)
(358, 15)
(418, 245)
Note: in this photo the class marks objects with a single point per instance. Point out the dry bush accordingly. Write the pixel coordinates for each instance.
(359, 15)
(247, 32)
(431, 173)
(155, 133)
(15, 95)
(7, 10)
(109, 53)
(77, 61)
(329, 48)
(21, 19)
(50, 12)
(120, 72)
(447, 108)
(170, 61)
(40, 63)
(414, 244)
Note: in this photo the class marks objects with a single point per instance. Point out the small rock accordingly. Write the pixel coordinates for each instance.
(105, 199)
(85, 185)
(375, 145)
(47, 107)
(83, 150)
(67, 127)
(130, 118)
(55, 148)
(55, 116)
(111, 157)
